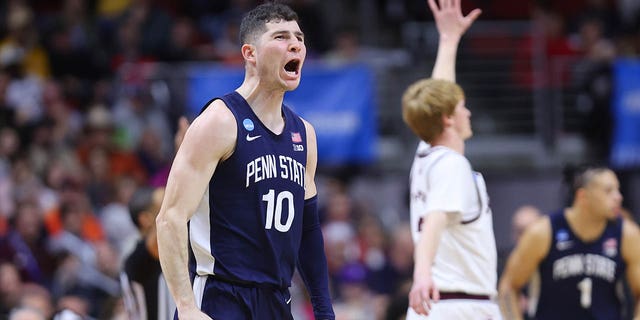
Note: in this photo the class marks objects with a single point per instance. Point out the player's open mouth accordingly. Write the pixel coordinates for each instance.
(291, 68)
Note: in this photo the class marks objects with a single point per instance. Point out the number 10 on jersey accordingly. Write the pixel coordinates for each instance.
(274, 210)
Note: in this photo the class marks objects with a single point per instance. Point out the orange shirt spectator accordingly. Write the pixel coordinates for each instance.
(91, 227)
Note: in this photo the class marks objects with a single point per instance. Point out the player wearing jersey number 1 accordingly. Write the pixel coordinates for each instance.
(577, 257)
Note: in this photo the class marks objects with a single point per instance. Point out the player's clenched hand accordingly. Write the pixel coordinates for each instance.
(423, 295)
(449, 19)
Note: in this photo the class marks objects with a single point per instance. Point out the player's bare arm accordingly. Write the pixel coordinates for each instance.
(630, 249)
(210, 139)
(152, 239)
(423, 291)
(312, 161)
(451, 24)
(532, 247)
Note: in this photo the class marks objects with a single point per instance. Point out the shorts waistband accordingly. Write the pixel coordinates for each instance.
(245, 283)
(462, 295)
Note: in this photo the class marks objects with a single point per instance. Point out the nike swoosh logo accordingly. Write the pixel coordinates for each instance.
(287, 302)
(250, 138)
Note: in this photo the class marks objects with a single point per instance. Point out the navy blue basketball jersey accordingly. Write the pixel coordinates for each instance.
(248, 226)
(581, 280)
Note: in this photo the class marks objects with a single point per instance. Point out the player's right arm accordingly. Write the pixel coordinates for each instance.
(423, 291)
(531, 249)
(450, 183)
(208, 140)
(451, 26)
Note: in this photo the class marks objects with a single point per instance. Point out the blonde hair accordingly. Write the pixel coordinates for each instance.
(425, 102)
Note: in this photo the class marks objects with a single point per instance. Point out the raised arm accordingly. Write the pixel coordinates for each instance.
(209, 139)
(451, 26)
(532, 247)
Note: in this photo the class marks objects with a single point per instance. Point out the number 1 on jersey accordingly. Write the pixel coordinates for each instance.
(274, 210)
(585, 286)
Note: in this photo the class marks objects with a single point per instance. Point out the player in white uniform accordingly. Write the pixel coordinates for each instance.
(455, 270)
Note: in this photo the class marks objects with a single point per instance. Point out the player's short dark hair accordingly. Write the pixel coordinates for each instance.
(255, 21)
(140, 201)
(579, 176)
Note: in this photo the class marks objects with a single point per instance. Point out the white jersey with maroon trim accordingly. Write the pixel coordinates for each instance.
(443, 180)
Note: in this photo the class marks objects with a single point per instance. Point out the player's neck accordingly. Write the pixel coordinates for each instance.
(586, 225)
(450, 141)
(259, 95)
(265, 103)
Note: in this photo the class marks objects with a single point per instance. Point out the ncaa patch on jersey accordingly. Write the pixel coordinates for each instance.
(298, 147)
(562, 240)
(248, 124)
(562, 235)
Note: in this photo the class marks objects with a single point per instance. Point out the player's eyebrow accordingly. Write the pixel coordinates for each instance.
(296, 33)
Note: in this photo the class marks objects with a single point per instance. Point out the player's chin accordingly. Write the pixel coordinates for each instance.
(291, 85)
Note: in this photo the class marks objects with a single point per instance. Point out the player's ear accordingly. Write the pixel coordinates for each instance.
(248, 52)
(580, 193)
(447, 120)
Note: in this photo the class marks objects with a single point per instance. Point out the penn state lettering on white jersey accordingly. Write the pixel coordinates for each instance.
(580, 280)
(248, 226)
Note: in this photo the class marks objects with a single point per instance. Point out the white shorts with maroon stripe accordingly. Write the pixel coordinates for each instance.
(460, 309)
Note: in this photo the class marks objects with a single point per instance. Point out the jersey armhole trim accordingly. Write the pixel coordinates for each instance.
(480, 205)
(475, 184)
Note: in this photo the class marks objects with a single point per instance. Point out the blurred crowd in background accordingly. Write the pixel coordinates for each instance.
(81, 130)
